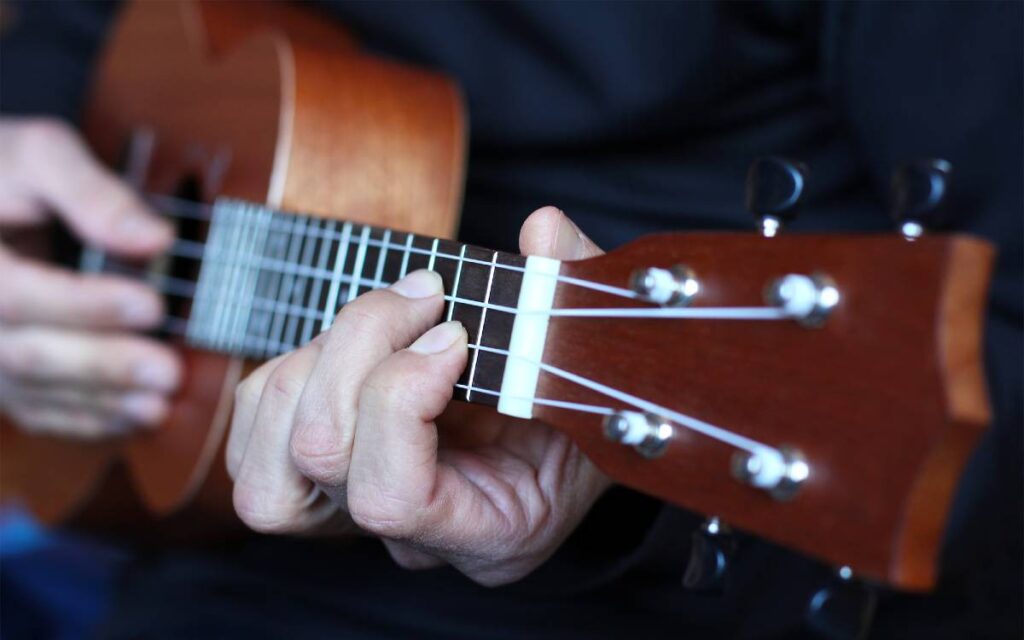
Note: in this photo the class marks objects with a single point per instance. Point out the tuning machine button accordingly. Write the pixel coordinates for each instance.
(774, 189)
(843, 609)
(809, 299)
(711, 550)
(647, 433)
(672, 287)
(781, 472)
(919, 192)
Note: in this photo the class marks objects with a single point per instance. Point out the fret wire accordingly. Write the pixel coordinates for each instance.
(259, 247)
(279, 248)
(405, 256)
(433, 254)
(223, 221)
(379, 274)
(238, 233)
(236, 321)
(339, 263)
(287, 280)
(480, 327)
(357, 267)
(613, 290)
(318, 282)
(308, 246)
(455, 283)
(295, 284)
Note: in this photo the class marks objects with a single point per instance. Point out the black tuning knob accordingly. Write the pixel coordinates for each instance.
(919, 191)
(711, 550)
(774, 188)
(843, 609)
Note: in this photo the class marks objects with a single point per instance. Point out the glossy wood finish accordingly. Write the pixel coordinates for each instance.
(885, 400)
(263, 102)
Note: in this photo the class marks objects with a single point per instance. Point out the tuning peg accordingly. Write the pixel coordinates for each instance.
(711, 550)
(843, 609)
(918, 194)
(774, 188)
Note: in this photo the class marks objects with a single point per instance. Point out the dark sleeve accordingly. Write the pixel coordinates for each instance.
(47, 51)
(944, 80)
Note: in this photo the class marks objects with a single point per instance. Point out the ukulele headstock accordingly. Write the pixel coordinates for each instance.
(821, 391)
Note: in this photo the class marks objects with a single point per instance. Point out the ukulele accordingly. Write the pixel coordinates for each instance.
(821, 391)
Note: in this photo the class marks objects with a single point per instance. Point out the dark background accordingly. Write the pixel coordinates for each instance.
(636, 118)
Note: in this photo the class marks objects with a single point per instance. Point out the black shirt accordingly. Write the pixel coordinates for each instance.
(633, 118)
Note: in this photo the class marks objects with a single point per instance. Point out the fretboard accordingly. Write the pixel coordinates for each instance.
(272, 281)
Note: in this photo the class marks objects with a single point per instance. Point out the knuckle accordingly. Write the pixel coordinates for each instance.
(259, 513)
(372, 316)
(381, 516)
(284, 386)
(318, 450)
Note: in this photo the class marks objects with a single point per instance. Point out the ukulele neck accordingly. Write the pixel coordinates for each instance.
(270, 281)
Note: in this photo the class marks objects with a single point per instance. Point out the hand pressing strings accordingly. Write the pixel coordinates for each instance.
(358, 417)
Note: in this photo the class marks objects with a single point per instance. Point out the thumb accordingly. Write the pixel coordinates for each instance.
(550, 233)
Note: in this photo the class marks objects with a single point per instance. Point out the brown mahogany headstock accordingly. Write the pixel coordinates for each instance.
(884, 399)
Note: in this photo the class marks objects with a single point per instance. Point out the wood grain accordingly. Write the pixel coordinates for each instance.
(234, 92)
(883, 406)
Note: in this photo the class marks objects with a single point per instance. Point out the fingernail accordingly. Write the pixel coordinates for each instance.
(137, 310)
(156, 375)
(140, 225)
(419, 284)
(143, 407)
(567, 239)
(439, 338)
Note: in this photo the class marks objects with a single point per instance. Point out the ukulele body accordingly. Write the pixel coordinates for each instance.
(258, 101)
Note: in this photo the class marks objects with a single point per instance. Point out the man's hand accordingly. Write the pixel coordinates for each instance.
(352, 423)
(69, 363)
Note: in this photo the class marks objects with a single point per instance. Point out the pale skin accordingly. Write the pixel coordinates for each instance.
(354, 427)
(71, 360)
(351, 431)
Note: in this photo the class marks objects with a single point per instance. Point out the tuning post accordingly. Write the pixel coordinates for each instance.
(676, 286)
(809, 299)
(647, 433)
(780, 472)
(775, 187)
(919, 194)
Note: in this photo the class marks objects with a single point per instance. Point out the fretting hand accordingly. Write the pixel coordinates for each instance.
(69, 362)
(353, 425)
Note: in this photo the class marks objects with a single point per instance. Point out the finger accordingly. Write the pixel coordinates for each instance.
(141, 408)
(40, 354)
(409, 557)
(247, 401)
(550, 233)
(270, 494)
(368, 330)
(50, 163)
(394, 489)
(68, 423)
(37, 293)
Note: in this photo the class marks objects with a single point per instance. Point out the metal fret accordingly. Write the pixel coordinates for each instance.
(433, 255)
(357, 268)
(247, 290)
(318, 283)
(405, 256)
(339, 263)
(284, 291)
(480, 327)
(277, 250)
(308, 243)
(378, 276)
(455, 284)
